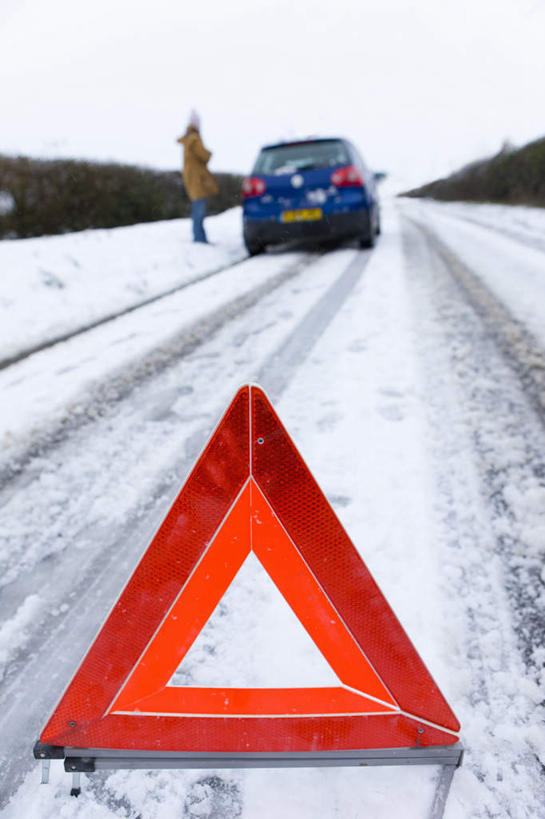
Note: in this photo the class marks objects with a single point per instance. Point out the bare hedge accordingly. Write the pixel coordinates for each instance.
(513, 177)
(45, 197)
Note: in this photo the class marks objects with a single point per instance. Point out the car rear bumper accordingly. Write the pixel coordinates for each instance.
(331, 226)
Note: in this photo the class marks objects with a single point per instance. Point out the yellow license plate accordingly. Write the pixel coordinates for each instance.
(303, 215)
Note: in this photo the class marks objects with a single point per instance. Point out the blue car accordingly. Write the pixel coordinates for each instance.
(310, 189)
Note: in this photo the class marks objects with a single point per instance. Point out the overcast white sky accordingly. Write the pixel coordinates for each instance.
(422, 86)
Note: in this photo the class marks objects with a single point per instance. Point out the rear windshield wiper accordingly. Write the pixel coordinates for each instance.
(311, 166)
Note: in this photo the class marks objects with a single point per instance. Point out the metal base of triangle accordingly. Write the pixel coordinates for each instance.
(88, 760)
(96, 759)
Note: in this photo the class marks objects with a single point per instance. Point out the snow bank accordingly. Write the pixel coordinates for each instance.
(53, 285)
(65, 379)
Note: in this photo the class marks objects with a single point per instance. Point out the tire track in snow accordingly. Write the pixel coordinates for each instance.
(518, 345)
(523, 355)
(277, 371)
(45, 345)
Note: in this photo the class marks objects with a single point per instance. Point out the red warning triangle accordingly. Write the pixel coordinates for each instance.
(250, 491)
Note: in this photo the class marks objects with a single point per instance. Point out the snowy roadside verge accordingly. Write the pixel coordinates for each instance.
(526, 223)
(101, 365)
(55, 285)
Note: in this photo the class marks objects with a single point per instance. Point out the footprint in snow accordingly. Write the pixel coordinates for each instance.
(391, 413)
(329, 421)
(358, 346)
(212, 797)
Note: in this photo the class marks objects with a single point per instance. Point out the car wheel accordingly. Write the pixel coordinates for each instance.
(368, 238)
(254, 248)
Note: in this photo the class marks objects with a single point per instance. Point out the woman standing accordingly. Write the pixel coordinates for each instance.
(199, 182)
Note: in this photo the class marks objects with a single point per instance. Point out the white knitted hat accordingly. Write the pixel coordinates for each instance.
(195, 120)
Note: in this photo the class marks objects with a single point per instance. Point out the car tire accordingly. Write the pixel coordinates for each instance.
(367, 240)
(254, 248)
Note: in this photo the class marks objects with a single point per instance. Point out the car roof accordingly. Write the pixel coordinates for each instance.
(305, 141)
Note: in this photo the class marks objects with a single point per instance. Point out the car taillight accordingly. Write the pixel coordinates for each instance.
(253, 186)
(345, 177)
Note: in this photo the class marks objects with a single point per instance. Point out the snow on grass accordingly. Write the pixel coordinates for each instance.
(50, 286)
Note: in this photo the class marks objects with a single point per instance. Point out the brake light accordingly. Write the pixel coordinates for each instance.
(346, 177)
(253, 186)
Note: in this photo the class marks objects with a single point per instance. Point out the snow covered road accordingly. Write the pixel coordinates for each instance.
(410, 379)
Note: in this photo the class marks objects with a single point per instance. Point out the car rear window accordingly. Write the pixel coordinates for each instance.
(301, 156)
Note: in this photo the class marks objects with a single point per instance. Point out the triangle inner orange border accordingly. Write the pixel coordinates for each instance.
(251, 525)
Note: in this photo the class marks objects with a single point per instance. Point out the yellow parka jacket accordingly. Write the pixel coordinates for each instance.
(198, 180)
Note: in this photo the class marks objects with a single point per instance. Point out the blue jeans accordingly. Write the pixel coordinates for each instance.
(198, 212)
